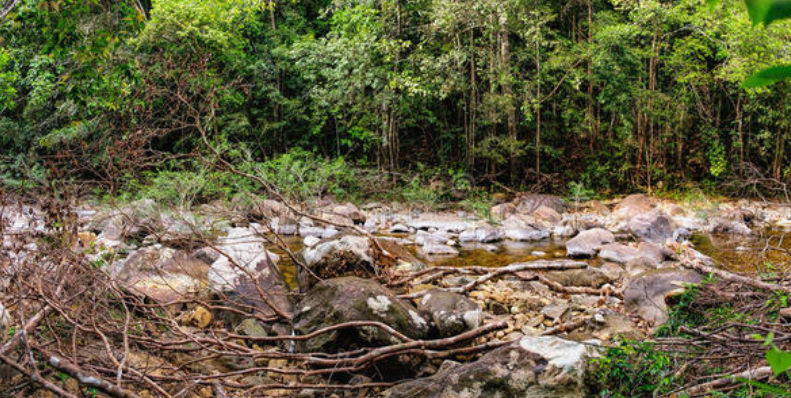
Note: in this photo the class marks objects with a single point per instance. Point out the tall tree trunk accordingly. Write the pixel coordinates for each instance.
(507, 88)
(591, 117)
(538, 108)
(473, 105)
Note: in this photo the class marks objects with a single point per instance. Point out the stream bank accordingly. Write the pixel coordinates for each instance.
(524, 296)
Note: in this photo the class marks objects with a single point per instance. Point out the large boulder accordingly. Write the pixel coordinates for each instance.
(246, 273)
(547, 215)
(587, 243)
(351, 255)
(540, 367)
(350, 211)
(160, 273)
(653, 226)
(521, 227)
(242, 253)
(631, 206)
(732, 222)
(530, 202)
(502, 211)
(645, 295)
(348, 299)
(450, 313)
(344, 256)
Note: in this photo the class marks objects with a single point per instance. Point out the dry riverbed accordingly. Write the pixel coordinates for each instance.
(340, 300)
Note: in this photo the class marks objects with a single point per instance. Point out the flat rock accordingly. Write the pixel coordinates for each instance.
(587, 243)
(645, 295)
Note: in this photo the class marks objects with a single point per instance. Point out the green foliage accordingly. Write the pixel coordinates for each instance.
(650, 94)
(631, 369)
(183, 185)
(768, 76)
(768, 11)
(304, 176)
(578, 193)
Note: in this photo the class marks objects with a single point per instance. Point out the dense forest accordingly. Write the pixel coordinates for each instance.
(615, 95)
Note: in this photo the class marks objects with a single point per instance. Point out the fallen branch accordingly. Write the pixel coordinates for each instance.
(758, 373)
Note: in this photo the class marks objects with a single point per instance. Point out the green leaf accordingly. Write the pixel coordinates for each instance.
(767, 11)
(779, 360)
(768, 76)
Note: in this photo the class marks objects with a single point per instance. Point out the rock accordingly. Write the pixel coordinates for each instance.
(347, 255)
(587, 243)
(450, 313)
(399, 229)
(502, 211)
(681, 234)
(612, 270)
(350, 211)
(243, 251)
(284, 225)
(244, 256)
(347, 299)
(585, 277)
(621, 254)
(645, 295)
(555, 310)
(251, 327)
(440, 222)
(404, 258)
(5, 318)
(564, 230)
(438, 249)
(534, 366)
(547, 214)
(530, 202)
(206, 254)
(637, 265)
(525, 235)
(423, 238)
(481, 234)
(631, 206)
(200, 317)
(728, 225)
(597, 207)
(310, 241)
(653, 226)
(784, 313)
(613, 324)
(161, 273)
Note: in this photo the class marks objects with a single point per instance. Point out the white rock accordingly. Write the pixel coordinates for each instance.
(310, 241)
(246, 249)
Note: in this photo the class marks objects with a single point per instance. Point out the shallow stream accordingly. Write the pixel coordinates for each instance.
(760, 253)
